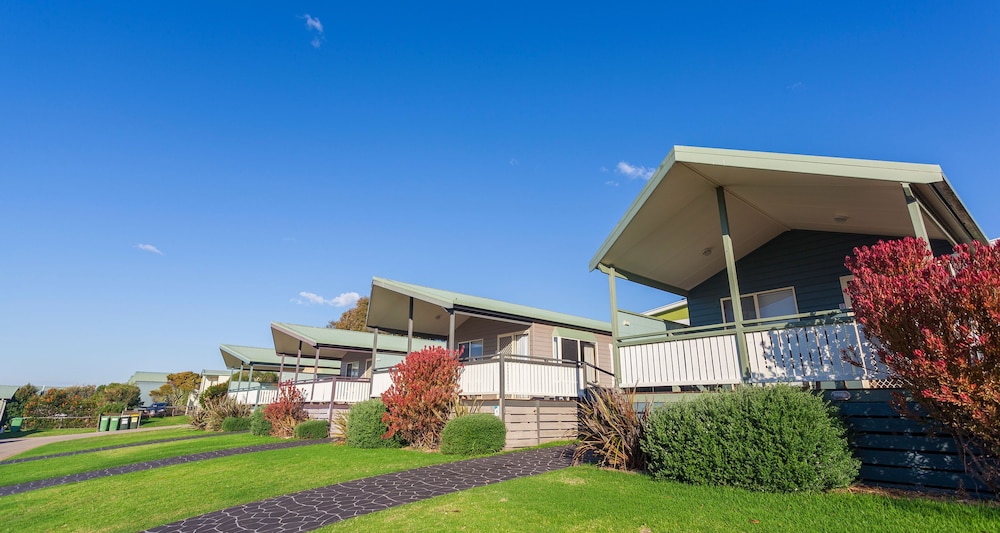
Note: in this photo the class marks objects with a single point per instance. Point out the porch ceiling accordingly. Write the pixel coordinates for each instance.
(388, 309)
(671, 235)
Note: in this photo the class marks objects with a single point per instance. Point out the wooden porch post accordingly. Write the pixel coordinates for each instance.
(250, 377)
(615, 357)
(298, 359)
(451, 329)
(312, 392)
(734, 286)
(256, 398)
(371, 375)
(281, 368)
(916, 217)
(409, 329)
(239, 378)
(501, 396)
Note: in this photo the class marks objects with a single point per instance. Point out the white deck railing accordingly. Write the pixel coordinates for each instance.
(255, 396)
(776, 354)
(523, 377)
(347, 390)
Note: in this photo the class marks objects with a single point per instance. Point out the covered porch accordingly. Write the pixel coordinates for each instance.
(249, 363)
(771, 232)
(509, 351)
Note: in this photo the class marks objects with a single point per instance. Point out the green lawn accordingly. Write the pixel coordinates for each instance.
(588, 499)
(146, 422)
(141, 500)
(124, 437)
(60, 466)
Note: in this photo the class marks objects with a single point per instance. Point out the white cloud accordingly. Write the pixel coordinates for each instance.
(633, 171)
(346, 299)
(611, 183)
(313, 24)
(149, 248)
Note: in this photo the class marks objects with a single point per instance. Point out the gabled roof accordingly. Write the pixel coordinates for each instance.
(7, 391)
(336, 343)
(265, 359)
(670, 237)
(388, 309)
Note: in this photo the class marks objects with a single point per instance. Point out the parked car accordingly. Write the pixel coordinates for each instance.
(156, 409)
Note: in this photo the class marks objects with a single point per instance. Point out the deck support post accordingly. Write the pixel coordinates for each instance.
(281, 369)
(409, 329)
(239, 379)
(451, 330)
(916, 216)
(734, 286)
(256, 398)
(615, 356)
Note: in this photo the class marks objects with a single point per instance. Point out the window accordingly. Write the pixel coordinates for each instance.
(351, 370)
(765, 304)
(577, 351)
(516, 344)
(843, 290)
(471, 349)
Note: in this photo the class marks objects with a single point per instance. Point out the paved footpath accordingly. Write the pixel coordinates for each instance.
(13, 446)
(315, 508)
(115, 447)
(148, 465)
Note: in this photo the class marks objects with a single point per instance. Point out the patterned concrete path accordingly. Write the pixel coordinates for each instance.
(315, 508)
(148, 465)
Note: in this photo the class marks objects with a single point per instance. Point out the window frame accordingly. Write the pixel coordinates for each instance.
(526, 334)
(756, 303)
(467, 355)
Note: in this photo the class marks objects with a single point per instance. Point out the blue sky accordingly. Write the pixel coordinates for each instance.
(264, 151)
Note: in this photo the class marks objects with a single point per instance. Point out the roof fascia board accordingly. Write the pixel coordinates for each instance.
(812, 164)
(416, 295)
(951, 199)
(633, 209)
(283, 328)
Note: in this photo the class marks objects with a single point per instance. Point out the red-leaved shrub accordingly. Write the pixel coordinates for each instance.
(938, 321)
(286, 412)
(424, 387)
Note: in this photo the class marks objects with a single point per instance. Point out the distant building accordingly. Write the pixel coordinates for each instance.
(148, 382)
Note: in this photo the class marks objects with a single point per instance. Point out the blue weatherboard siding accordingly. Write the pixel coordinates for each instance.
(810, 261)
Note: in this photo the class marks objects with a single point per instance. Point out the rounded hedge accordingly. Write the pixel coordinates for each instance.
(776, 439)
(236, 423)
(312, 429)
(259, 425)
(473, 434)
(365, 427)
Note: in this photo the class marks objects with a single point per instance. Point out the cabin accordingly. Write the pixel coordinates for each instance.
(529, 366)
(770, 231)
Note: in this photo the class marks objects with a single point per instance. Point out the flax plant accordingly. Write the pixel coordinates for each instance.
(611, 429)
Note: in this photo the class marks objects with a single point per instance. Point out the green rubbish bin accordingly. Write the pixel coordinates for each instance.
(114, 424)
(103, 424)
(15, 424)
(124, 421)
(135, 421)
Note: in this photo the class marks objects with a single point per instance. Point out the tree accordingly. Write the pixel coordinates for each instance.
(124, 393)
(938, 323)
(22, 396)
(258, 377)
(353, 319)
(178, 388)
(424, 389)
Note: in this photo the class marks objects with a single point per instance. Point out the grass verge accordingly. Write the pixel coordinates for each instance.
(585, 498)
(146, 422)
(60, 466)
(109, 440)
(142, 500)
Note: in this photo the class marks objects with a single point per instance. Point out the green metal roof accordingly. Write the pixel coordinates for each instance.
(670, 236)
(337, 343)
(265, 358)
(380, 316)
(7, 391)
(156, 377)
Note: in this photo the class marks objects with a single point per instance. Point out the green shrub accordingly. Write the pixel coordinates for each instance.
(775, 439)
(312, 429)
(215, 411)
(611, 429)
(259, 425)
(473, 435)
(211, 393)
(365, 426)
(236, 423)
(111, 408)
